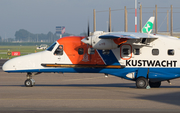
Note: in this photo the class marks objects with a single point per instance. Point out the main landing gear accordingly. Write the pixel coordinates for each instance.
(142, 83)
(154, 84)
(29, 82)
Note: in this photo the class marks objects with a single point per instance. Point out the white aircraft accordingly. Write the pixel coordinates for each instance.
(144, 58)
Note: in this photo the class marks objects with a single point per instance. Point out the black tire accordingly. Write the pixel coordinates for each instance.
(28, 83)
(154, 84)
(141, 82)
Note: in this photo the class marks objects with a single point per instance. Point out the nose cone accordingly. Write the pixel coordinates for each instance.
(23, 63)
(9, 65)
(87, 40)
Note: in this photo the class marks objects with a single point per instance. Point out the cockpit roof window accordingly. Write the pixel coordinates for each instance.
(51, 47)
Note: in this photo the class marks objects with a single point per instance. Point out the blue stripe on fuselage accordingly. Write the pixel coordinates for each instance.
(109, 59)
(156, 74)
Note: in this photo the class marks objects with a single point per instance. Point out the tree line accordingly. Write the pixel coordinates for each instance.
(6, 40)
(25, 36)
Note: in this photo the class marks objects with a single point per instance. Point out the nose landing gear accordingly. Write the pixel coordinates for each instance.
(29, 82)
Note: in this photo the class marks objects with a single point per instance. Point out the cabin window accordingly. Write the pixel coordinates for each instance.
(136, 51)
(155, 51)
(59, 50)
(51, 47)
(105, 52)
(171, 52)
(80, 51)
(91, 50)
(126, 51)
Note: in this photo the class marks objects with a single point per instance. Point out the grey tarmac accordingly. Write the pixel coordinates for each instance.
(2, 61)
(74, 92)
(84, 93)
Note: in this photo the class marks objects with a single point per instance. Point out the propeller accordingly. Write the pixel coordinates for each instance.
(88, 38)
(88, 29)
(109, 27)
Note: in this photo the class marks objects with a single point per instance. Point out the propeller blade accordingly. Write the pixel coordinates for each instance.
(88, 29)
(109, 20)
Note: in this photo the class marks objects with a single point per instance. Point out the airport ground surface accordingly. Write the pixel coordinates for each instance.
(77, 93)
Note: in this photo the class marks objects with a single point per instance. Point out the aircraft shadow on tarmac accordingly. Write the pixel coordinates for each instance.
(120, 85)
(128, 85)
(169, 98)
(125, 85)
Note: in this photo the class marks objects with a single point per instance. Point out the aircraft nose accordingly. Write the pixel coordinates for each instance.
(23, 63)
(8, 65)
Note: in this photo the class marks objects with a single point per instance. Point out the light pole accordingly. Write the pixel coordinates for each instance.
(135, 15)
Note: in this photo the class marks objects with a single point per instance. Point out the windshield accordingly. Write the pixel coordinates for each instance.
(51, 47)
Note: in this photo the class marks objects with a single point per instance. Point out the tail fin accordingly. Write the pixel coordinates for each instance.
(148, 26)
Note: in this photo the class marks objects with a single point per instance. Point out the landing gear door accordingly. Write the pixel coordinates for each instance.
(126, 51)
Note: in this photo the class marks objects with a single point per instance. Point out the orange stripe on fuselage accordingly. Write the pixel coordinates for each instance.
(82, 66)
(71, 45)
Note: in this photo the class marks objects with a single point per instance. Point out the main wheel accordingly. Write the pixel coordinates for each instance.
(141, 82)
(29, 83)
(155, 84)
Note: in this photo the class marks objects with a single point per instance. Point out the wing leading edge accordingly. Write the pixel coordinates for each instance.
(127, 35)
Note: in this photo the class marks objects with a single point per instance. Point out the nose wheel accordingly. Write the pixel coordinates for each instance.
(29, 82)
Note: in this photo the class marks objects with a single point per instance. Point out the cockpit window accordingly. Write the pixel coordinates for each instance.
(59, 50)
(51, 47)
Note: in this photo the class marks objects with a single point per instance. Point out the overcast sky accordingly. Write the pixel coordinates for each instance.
(42, 16)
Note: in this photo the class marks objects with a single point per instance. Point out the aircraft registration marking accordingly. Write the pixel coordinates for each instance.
(152, 63)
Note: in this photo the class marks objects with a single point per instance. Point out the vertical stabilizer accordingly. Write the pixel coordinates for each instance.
(148, 26)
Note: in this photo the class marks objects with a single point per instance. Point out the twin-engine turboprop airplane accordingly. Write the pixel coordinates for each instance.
(145, 58)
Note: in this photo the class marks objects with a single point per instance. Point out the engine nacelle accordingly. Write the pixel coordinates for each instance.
(101, 43)
(104, 44)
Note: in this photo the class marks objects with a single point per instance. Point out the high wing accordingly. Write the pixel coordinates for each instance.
(115, 39)
(111, 40)
(127, 35)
